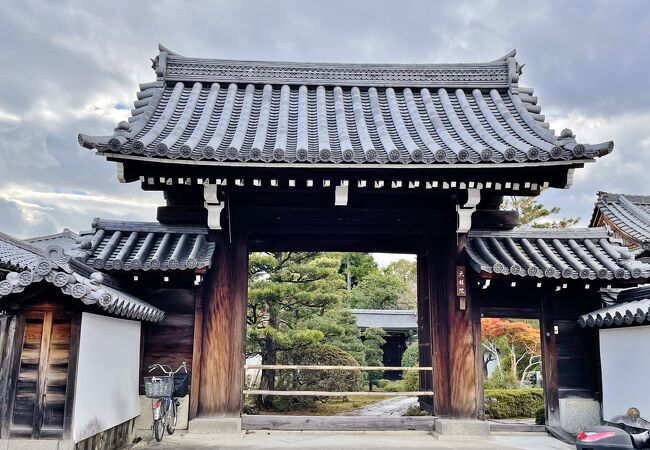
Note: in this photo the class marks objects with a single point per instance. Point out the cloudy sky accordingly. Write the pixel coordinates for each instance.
(74, 66)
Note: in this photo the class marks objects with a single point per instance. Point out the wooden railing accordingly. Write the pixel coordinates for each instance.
(250, 391)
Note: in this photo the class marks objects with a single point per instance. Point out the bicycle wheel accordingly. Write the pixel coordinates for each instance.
(158, 429)
(172, 418)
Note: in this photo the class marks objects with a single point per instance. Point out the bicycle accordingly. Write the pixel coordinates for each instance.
(164, 392)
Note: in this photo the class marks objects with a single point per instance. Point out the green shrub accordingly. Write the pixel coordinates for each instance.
(513, 403)
(381, 384)
(395, 386)
(411, 356)
(501, 379)
(316, 380)
(414, 410)
(411, 381)
(540, 416)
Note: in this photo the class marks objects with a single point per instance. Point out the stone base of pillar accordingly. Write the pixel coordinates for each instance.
(460, 429)
(214, 425)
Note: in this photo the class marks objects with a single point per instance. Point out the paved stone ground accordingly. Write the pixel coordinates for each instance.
(289, 440)
(390, 407)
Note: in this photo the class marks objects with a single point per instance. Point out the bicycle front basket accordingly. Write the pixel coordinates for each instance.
(155, 387)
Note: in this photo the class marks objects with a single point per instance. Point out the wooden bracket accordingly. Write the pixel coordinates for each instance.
(213, 206)
(465, 211)
(341, 195)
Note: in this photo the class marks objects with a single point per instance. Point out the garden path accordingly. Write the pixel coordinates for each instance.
(394, 406)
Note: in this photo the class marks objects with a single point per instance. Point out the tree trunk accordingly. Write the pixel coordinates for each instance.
(269, 356)
(513, 363)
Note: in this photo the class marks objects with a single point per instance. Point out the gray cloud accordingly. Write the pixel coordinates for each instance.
(73, 67)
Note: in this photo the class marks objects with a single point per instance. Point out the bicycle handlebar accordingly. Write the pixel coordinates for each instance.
(167, 369)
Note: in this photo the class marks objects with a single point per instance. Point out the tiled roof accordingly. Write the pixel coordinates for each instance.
(116, 245)
(264, 112)
(67, 239)
(621, 312)
(629, 213)
(26, 263)
(388, 319)
(571, 253)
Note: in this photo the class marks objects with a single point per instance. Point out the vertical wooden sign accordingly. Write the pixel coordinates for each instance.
(461, 287)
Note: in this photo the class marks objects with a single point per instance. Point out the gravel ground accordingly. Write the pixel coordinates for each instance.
(289, 440)
(394, 406)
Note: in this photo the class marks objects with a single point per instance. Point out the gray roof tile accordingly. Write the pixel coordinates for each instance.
(27, 263)
(616, 312)
(570, 253)
(117, 245)
(216, 110)
(629, 213)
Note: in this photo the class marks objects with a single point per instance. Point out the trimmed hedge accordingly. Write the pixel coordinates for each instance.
(513, 403)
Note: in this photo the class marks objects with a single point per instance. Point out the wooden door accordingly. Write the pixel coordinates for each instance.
(41, 392)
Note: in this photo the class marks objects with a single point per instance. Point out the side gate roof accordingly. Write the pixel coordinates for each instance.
(629, 214)
(24, 263)
(571, 253)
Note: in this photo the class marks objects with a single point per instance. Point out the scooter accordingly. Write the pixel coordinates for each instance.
(605, 437)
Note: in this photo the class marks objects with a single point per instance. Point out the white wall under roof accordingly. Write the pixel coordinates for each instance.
(625, 365)
(106, 392)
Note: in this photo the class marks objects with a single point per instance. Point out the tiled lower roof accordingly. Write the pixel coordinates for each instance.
(116, 245)
(572, 253)
(620, 312)
(26, 263)
(629, 213)
(388, 319)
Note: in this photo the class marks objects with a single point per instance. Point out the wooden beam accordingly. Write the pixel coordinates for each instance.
(315, 367)
(424, 325)
(73, 361)
(41, 383)
(454, 334)
(336, 423)
(549, 362)
(335, 394)
(437, 286)
(464, 387)
(196, 352)
(8, 375)
(14, 371)
(224, 319)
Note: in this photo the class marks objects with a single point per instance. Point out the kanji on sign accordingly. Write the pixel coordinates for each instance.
(461, 286)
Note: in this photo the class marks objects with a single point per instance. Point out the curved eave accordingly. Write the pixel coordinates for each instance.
(263, 112)
(142, 246)
(570, 254)
(299, 165)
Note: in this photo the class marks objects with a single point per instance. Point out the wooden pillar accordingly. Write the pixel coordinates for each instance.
(455, 333)
(224, 328)
(424, 325)
(549, 362)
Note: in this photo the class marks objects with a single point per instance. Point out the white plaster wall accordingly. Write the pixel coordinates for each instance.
(625, 363)
(106, 392)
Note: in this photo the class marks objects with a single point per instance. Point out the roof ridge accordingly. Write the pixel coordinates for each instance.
(501, 60)
(23, 244)
(560, 233)
(171, 66)
(66, 232)
(157, 227)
